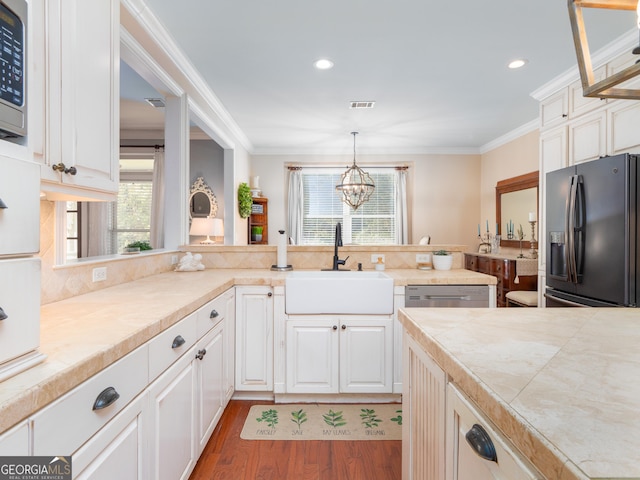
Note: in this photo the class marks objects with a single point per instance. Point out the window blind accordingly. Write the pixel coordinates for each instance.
(372, 224)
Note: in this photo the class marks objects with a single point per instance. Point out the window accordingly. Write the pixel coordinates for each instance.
(374, 223)
(105, 228)
(130, 216)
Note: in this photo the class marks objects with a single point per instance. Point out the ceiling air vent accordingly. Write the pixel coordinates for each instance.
(362, 104)
(155, 102)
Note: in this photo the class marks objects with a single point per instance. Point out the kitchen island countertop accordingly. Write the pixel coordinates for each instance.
(561, 384)
(83, 335)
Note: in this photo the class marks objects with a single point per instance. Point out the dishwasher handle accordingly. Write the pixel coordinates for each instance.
(465, 298)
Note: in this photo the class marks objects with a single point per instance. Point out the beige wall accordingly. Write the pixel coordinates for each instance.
(515, 158)
(442, 191)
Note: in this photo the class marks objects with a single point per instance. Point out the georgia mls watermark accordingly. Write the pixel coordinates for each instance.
(35, 468)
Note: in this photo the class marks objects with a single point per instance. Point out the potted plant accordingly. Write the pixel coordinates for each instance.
(442, 260)
(244, 200)
(256, 233)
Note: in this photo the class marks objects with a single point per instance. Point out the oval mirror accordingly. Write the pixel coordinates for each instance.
(202, 201)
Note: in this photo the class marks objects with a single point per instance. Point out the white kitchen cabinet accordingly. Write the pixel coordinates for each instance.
(398, 303)
(339, 354)
(467, 432)
(210, 383)
(588, 138)
(79, 147)
(20, 310)
(172, 430)
(20, 220)
(254, 338)
(424, 413)
(16, 440)
(91, 405)
(118, 450)
(554, 110)
(624, 134)
(229, 345)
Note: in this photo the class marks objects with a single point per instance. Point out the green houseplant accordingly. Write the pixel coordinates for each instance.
(256, 233)
(442, 260)
(244, 200)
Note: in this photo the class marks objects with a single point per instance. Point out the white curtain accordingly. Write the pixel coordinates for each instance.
(295, 209)
(96, 229)
(157, 200)
(402, 226)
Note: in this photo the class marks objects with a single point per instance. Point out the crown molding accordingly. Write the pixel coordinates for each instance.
(622, 44)
(510, 136)
(163, 40)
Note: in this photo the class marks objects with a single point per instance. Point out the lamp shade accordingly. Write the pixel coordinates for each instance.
(206, 226)
(201, 227)
(218, 227)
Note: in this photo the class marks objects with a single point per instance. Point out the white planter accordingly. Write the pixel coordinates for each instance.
(442, 262)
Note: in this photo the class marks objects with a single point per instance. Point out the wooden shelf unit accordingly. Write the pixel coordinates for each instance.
(259, 217)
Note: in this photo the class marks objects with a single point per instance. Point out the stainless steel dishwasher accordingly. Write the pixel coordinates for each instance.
(457, 296)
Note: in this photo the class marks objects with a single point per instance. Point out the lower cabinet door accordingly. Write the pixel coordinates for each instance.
(312, 355)
(118, 451)
(366, 355)
(172, 408)
(210, 382)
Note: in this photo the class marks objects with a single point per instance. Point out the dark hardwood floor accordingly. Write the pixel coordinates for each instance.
(228, 457)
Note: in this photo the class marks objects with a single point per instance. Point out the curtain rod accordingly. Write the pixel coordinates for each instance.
(396, 167)
(142, 146)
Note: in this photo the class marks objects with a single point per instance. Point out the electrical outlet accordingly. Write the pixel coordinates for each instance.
(174, 259)
(375, 256)
(99, 274)
(423, 257)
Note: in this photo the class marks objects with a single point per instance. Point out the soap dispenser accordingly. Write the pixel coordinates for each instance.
(380, 264)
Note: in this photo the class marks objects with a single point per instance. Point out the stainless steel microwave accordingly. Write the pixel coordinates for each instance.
(13, 85)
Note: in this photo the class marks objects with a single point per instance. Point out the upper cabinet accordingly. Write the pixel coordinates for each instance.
(76, 62)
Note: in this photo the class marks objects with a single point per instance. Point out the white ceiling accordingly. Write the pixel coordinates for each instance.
(436, 70)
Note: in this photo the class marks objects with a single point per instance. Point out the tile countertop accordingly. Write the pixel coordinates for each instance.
(82, 335)
(562, 384)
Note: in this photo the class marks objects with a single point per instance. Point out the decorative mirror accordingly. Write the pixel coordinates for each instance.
(202, 201)
(515, 198)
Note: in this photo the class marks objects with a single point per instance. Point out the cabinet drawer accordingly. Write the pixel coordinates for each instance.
(211, 314)
(168, 346)
(70, 421)
(463, 459)
(20, 221)
(20, 302)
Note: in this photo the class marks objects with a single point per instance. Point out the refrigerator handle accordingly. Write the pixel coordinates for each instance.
(570, 251)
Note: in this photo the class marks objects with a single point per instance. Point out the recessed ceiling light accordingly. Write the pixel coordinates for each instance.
(520, 62)
(323, 64)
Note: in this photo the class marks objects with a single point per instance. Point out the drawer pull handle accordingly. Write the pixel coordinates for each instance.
(335, 327)
(344, 327)
(213, 314)
(3, 316)
(178, 342)
(480, 441)
(269, 294)
(107, 397)
(201, 353)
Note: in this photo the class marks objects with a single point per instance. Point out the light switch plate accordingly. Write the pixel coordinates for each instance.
(423, 257)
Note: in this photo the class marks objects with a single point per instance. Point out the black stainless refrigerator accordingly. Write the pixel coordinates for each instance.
(592, 233)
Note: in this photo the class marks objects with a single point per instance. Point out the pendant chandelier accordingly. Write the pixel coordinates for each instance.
(608, 87)
(355, 185)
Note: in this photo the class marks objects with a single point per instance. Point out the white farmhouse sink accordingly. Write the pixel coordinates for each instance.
(342, 292)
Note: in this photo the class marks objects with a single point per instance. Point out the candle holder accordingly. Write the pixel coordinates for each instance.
(520, 238)
(485, 243)
(533, 252)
